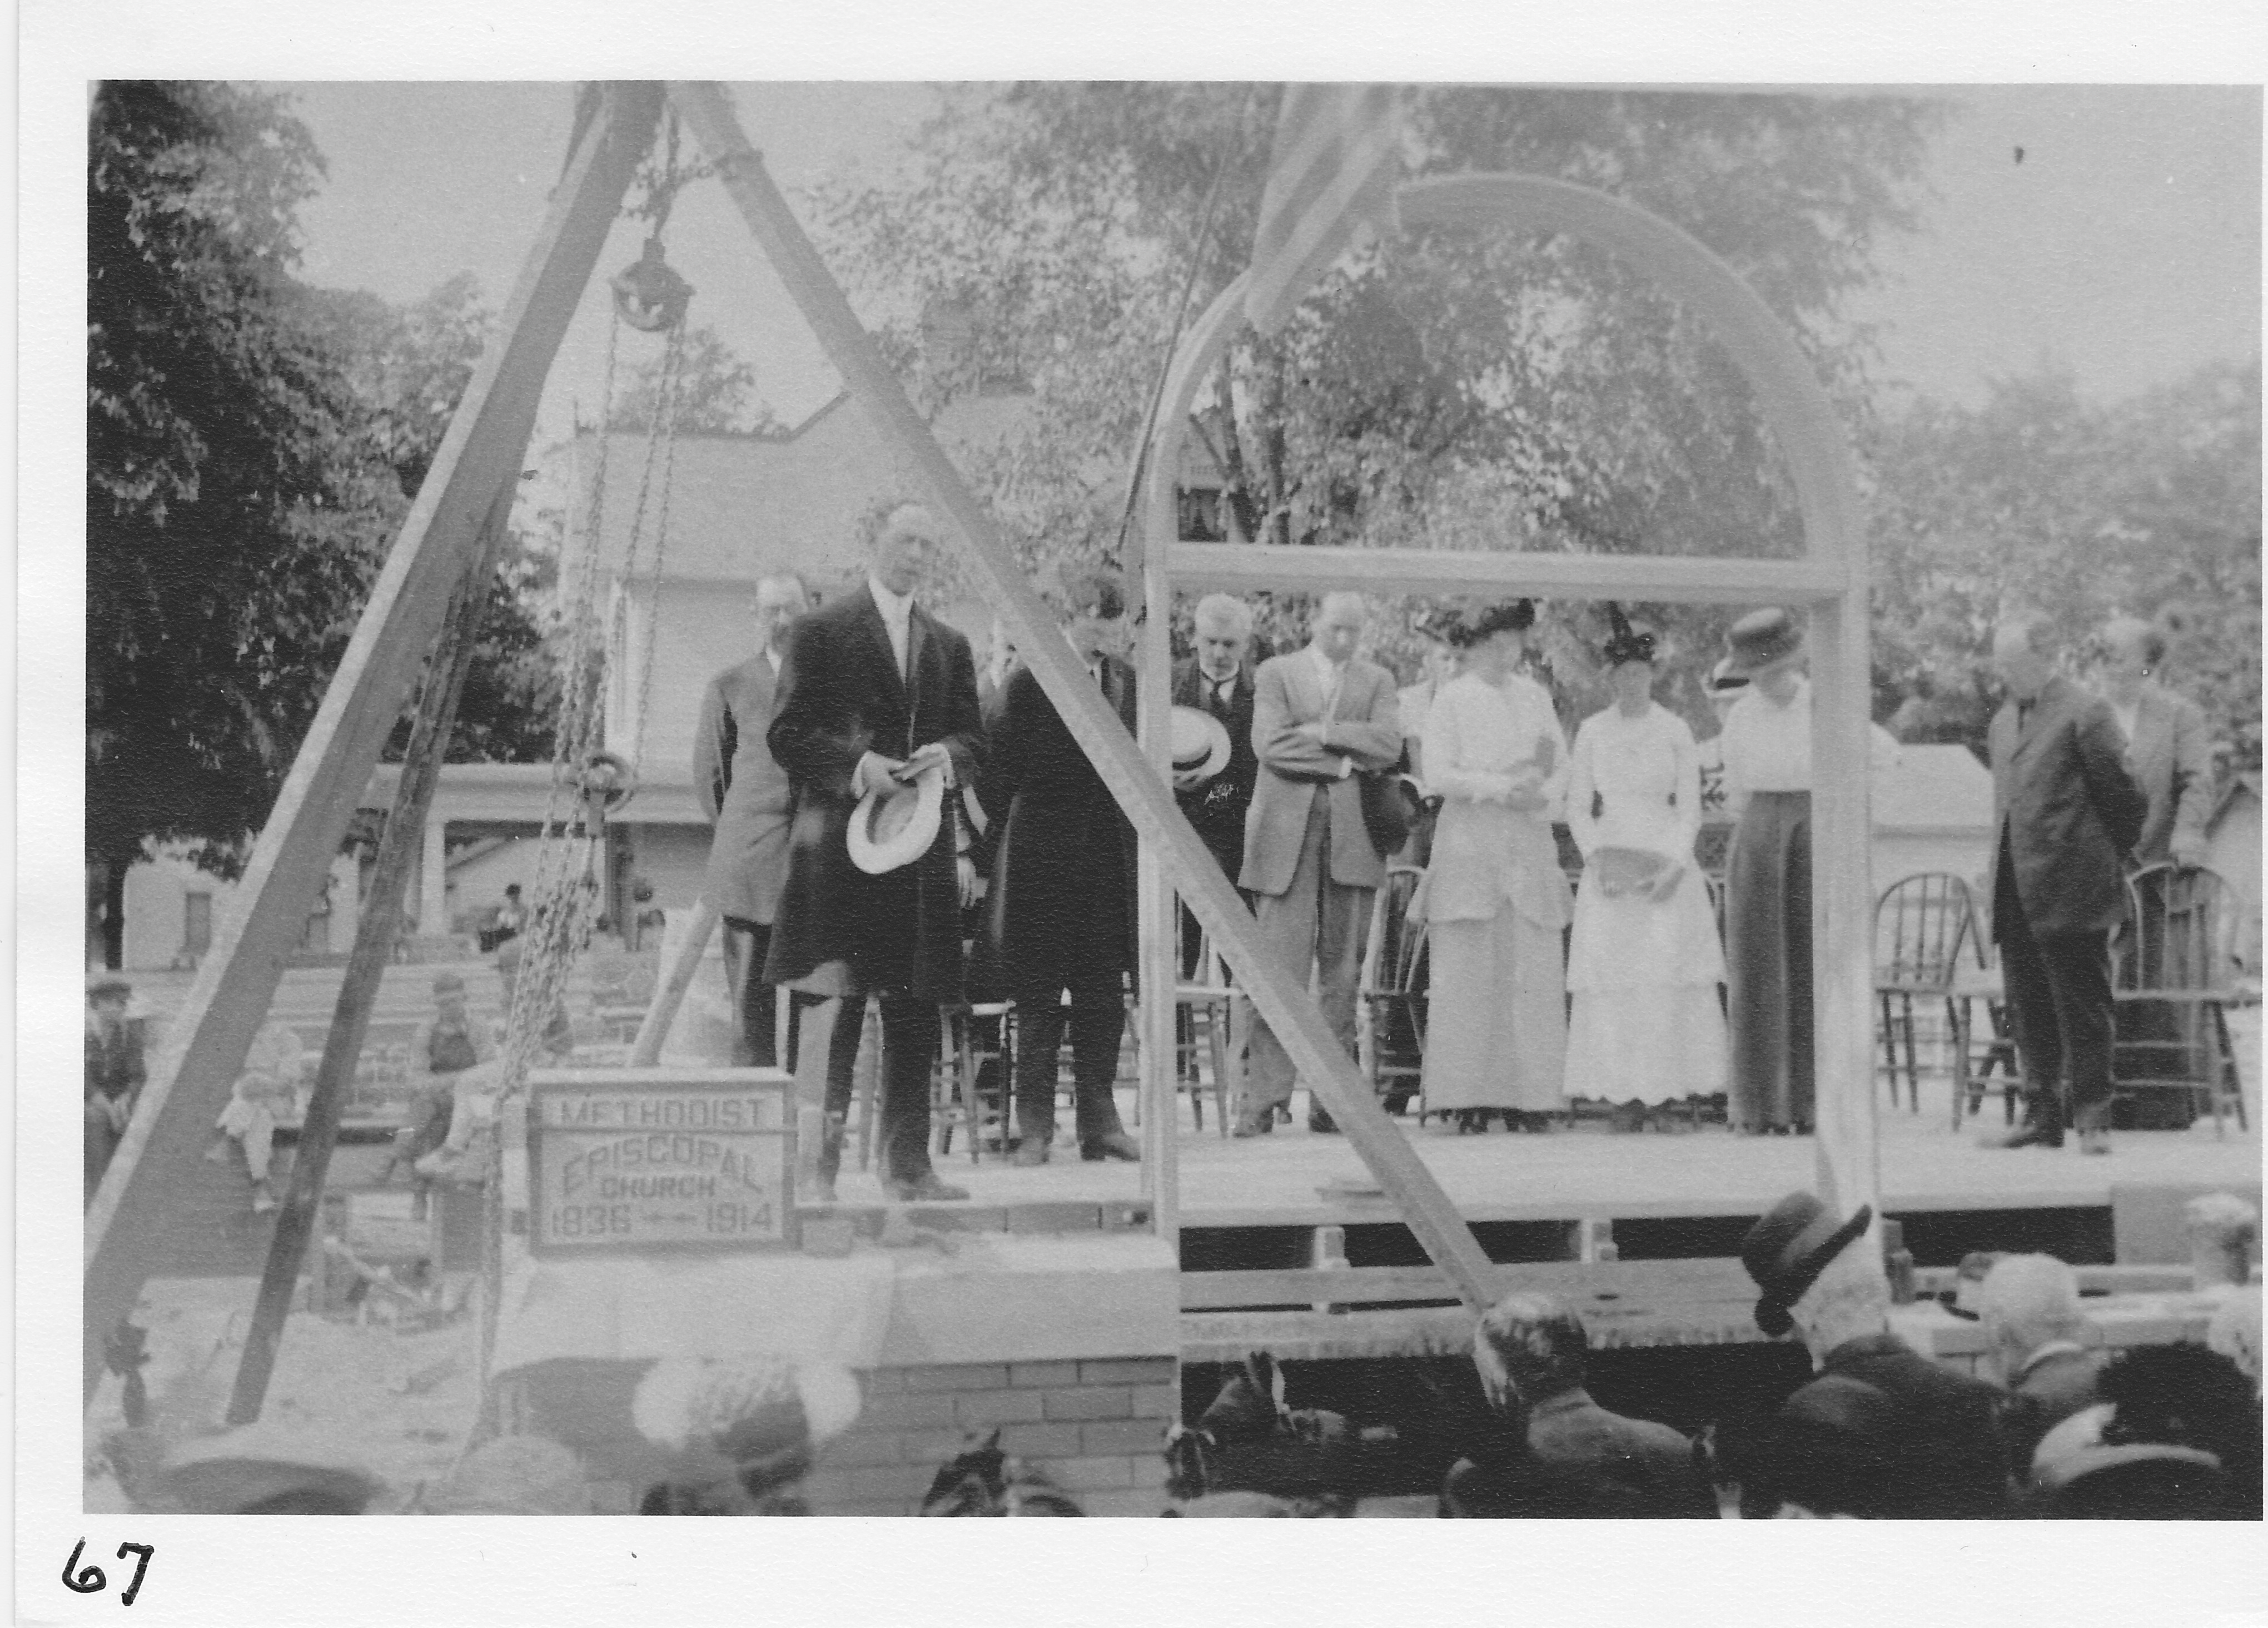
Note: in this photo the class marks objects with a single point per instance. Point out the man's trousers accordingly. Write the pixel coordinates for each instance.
(1315, 923)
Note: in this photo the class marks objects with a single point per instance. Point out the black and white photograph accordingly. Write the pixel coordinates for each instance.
(1287, 789)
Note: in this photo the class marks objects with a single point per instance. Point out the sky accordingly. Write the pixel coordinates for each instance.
(2124, 247)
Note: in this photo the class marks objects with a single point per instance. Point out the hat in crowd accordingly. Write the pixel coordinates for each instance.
(2078, 1474)
(1837, 1447)
(513, 1476)
(1724, 681)
(1763, 641)
(1788, 1248)
(1969, 1282)
(1477, 624)
(448, 983)
(1625, 643)
(1199, 740)
(263, 1470)
(759, 1419)
(99, 985)
(891, 829)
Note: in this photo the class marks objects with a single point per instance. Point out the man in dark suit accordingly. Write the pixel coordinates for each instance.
(873, 690)
(1882, 1432)
(2028, 1306)
(745, 793)
(1319, 716)
(1579, 1459)
(1060, 913)
(2067, 812)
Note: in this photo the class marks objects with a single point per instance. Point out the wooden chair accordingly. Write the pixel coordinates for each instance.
(1390, 1038)
(1207, 1001)
(2174, 972)
(1921, 922)
(970, 1037)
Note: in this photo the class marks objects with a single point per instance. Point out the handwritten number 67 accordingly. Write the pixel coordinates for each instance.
(90, 1580)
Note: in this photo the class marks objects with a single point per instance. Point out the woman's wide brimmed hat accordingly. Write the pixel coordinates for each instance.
(1200, 742)
(891, 829)
(1788, 1248)
(1763, 641)
(757, 1418)
(1625, 643)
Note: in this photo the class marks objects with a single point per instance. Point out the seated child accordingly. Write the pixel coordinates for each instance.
(265, 1095)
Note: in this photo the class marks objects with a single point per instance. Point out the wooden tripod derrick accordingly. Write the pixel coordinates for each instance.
(482, 452)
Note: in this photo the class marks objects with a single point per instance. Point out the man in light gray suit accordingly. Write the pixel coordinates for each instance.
(745, 793)
(1320, 717)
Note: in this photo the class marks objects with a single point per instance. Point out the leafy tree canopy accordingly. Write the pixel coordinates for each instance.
(253, 444)
(1439, 390)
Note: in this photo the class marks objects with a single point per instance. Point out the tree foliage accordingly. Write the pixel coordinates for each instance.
(253, 445)
(2041, 500)
(1439, 390)
(715, 395)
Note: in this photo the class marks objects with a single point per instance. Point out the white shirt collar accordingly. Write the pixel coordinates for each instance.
(894, 606)
(772, 658)
(2053, 1348)
(1217, 682)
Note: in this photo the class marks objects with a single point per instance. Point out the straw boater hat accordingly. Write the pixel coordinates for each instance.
(1200, 742)
(1788, 1248)
(890, 830)
(1723, 681)
(757, 1419)
(1763, 641)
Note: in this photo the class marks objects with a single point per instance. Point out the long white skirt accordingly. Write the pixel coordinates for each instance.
(1647, 1024)
(1496, 1030)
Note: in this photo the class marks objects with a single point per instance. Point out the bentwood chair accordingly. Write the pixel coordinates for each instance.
(1921, 924)
(1206, 1001)
(1390, 1039)
(2174, 973)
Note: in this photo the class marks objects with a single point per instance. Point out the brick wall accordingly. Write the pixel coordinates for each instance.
(1096, 1426)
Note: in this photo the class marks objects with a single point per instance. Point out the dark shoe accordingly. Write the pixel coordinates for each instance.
(1320, 1122)
(2031, 1133)
(1033, 1150)
(923, 1189)
(1110, 1145)
(2095, 1143)
(1254, 1123)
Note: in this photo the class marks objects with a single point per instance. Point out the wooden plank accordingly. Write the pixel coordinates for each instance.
(1139, 790)
(669, 988)
(1251, 567)
(1710, 1279)
(481, 454)
(375, 935)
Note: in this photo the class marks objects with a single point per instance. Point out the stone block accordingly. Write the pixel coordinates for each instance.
(1040, 1441)
(1153, 1472)
(1042, 1375)
(1155, 1402)
(1083, 1401)
(1129, 1371)
(1135, 1503)
(959, 1376)
(882, 1381)
(892, 1481)
(1142, 1436)
(999, 1407)
(929, 1411)
(1053, 1217)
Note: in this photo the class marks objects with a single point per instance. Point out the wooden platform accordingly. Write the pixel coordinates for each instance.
(1273, 1181)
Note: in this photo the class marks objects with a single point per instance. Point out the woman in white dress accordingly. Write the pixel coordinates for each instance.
(1644, 967)
(1494, 899)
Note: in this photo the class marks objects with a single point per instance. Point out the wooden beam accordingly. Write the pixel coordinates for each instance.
(375, 936)
(479, 458)
(669, 988)
(1252, 567)
(1138, 788)
(1589, 1284)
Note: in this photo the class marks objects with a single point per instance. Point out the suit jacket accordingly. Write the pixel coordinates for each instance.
(1651, 1462)
(1062, 898)
(1929, 1440)
(1217, 808)
(744, 791)
(2171, 758)
(114, 1066)
(2049, 1392)
(2068, 807)
(1365, 729)
(841, 697)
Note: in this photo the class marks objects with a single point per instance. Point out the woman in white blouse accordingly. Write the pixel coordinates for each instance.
(1766, 750)
(1645, 964)
(1494, 899)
